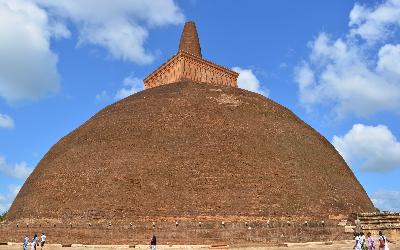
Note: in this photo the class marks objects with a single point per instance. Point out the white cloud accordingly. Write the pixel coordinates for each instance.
(119, 26)
(7, 199)
(4, 205)
(18, 170)
(131, 85)
(6, 121)
(102, 96)
(387, 200)
(389, 60)
(27, 64)
(375, 23)
(248, 80)
(347, 74)
(371, 148)
(14, 189)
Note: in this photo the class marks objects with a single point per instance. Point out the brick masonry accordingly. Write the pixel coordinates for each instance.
(185, 232)
(188, 64)
(189, 152)
(190, 40)
(388, 222)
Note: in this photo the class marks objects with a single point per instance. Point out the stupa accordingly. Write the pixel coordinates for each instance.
(194, 160)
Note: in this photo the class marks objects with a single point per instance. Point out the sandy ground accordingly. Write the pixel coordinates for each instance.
(314, 245)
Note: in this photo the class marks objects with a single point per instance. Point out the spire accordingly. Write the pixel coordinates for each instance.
(190, 39)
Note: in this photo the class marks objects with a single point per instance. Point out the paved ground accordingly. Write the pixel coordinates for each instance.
(302, 246)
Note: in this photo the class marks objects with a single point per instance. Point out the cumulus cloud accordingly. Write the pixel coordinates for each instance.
(27, 64)
(371, 148)
(376, 22)
(347, 74)
(387, 200)
(8, 198)
(131, 85)
(389, 60)
(121, 27)
(6, 121)
(248, 80)
(18, 170)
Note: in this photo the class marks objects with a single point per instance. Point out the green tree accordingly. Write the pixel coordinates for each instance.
(3, 216)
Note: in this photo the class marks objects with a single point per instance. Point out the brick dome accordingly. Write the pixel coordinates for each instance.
(188, 150)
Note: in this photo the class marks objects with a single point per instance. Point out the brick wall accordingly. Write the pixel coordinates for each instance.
(183, 233)
(184, 66)
(388, 222)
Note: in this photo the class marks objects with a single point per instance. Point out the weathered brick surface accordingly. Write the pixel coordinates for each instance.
(185, 233)
(188, 64)
(190, 40)
(388, 222)
(184, 66)
(189, 152)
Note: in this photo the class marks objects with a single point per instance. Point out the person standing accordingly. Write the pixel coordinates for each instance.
(363, 241)
(370, 242)
(43, 241)
(357, 243)
(153, 243)
(34, 242)
(26, 242)
(383, 242)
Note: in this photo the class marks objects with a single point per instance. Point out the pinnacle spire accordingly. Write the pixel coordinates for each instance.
(190, 40)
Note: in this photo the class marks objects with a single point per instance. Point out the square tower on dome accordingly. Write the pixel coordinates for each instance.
(188, 64)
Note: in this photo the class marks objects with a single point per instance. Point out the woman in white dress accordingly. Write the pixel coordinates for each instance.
(357, 244)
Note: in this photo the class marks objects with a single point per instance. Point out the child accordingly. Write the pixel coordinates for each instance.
(26, 242)
(363, 241)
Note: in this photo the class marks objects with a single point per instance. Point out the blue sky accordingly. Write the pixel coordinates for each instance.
(335, 64)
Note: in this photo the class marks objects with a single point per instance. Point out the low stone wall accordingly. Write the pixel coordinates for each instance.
(388, 222)
(181, 233)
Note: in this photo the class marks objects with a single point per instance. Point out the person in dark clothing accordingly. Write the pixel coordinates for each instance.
(153, 243)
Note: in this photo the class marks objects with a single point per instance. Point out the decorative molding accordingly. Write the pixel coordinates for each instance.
(185, 66)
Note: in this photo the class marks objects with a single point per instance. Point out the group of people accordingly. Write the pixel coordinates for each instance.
(362, 243)
(35, 242)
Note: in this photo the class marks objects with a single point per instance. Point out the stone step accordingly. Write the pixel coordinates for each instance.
(379, 221)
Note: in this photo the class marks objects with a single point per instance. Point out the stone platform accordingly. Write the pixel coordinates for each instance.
(337, 245)
(388, 222)
(184, 233)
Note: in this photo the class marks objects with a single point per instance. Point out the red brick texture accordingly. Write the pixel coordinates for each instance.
(190, 40)
(188, 64)
(189, 152)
